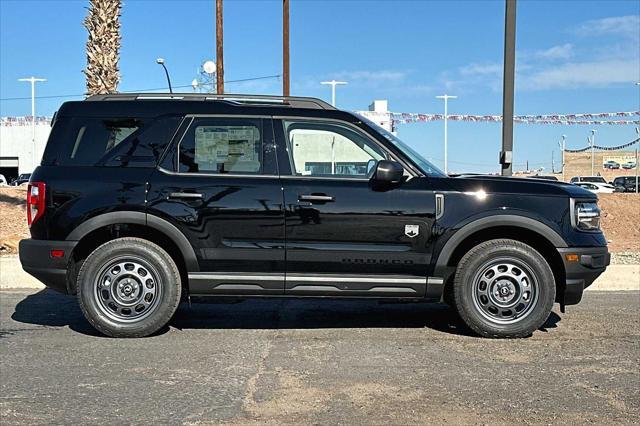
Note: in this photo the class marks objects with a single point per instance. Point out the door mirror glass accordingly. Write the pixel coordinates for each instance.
(388, 171)
(371, 167)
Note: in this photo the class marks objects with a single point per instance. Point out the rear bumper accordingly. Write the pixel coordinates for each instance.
(581, 273)
(36, 259)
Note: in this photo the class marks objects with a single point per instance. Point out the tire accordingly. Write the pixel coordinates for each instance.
(129, 287)
(504, 289)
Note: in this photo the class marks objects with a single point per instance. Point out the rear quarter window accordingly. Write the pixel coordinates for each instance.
(110, 142)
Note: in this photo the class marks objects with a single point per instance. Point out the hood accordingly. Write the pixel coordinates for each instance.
(513, 185)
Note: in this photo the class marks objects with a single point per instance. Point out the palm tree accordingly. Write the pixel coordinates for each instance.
(103, 46)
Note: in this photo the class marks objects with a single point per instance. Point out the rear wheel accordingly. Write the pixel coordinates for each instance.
(504, 288)
(129, 287)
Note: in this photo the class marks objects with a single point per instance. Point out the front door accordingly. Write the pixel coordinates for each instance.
(345, 236)
(219, 186)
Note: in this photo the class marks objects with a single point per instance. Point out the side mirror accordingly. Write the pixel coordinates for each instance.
(388, 171)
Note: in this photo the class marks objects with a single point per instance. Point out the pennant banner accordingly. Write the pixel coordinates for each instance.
(24, 121)
(605, 148)
(562, 119)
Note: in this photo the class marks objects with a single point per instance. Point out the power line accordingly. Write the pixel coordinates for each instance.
(241, 80)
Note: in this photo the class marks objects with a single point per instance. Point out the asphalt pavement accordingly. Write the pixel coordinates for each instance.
(318, 361)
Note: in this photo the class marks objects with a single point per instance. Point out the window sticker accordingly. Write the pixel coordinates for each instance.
(242, 143)
(212, 144)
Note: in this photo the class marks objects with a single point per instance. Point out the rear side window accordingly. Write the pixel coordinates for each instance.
(222, 145)
(112, 142)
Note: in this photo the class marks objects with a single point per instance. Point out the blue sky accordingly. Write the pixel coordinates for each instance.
(572, 57)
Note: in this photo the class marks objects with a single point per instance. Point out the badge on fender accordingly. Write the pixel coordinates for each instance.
(411, 230)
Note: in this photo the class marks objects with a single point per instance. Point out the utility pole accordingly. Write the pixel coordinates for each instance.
(506, 155)
(286, 85)
(219, 50)
(446, 136)
(593, 151)
(33, 81)
(333, 85)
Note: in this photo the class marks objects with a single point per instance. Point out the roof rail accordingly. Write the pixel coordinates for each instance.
(292, 101)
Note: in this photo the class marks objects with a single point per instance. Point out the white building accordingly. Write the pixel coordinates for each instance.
(379, 113)
(18, 153)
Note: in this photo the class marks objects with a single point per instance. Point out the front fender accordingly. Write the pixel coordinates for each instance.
(492, 221)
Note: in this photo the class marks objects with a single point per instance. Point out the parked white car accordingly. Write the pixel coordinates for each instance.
(598, 188)
(3, 181)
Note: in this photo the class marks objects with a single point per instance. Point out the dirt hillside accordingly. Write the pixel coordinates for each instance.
(620, 220)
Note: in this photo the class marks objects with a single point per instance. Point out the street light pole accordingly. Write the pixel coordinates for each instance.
(637, 165)
(33, 81)
(593, 141)
(160, 61)
(446, 136)
(562, 145)
(333, 84)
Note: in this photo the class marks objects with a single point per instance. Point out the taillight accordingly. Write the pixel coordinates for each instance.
(35, 201)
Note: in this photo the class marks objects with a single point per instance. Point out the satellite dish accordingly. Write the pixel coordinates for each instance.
(209, 67)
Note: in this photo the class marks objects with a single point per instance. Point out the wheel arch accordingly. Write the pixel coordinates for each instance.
(529, 231)
(97, 230)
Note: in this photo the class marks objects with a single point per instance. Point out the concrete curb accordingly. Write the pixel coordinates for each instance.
(615, 278)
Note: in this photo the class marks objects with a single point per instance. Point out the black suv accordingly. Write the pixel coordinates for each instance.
(142, 201)
(625, 183)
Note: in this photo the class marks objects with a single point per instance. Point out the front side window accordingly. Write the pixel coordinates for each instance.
(218, 145)
(330, 150)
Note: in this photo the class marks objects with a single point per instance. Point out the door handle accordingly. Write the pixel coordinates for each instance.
(313, 198)
(189, 195)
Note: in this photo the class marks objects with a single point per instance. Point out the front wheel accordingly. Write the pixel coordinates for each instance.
(504, 288)
(129, 287)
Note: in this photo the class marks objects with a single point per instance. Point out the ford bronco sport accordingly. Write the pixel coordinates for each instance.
(142, 201)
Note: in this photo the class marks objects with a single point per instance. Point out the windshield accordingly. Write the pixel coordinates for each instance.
(424, 165)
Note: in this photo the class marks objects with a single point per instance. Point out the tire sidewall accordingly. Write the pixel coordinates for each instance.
(476, 259)
(129, 247)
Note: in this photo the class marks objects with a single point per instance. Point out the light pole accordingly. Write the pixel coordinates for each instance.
(562, 145)
(593, 141)
(333, 85)
(33, 81)
(160, 61)
(637, 165)
(446, 117)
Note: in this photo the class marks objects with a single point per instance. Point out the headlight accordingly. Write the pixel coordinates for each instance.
(586, 215)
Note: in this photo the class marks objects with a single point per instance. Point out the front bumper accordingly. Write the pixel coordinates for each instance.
(581, 270)
(36, 259)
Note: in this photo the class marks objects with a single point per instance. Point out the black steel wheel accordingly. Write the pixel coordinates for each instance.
(129, 287)
(504, 288)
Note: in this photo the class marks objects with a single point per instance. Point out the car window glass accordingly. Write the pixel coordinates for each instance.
(221, 146)
(91, 138)
(328, 149)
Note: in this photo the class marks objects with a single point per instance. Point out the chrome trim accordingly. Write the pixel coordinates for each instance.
(322, 278)
(343, 279)
(236, 277)
(217, 175)
(439, 206)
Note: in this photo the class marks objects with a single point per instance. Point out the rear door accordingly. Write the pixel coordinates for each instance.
(219, 185)
(345, 237)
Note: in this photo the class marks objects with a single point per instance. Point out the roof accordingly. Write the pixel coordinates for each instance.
(155, 104)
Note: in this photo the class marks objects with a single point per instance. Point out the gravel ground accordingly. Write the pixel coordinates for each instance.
(625, 258)
(318, 361)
